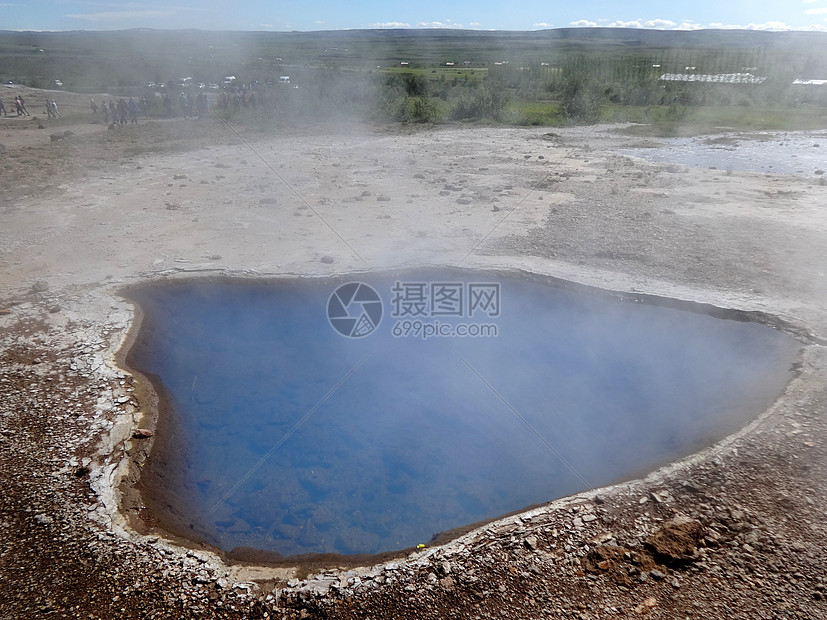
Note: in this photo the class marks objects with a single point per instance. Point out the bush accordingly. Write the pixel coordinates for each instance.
(419, 110)
(581, 94)
(487, 102)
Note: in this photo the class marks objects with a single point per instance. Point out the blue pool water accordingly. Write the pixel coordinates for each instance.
(278, 433)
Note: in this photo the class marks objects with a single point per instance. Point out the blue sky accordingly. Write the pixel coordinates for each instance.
(340, 14)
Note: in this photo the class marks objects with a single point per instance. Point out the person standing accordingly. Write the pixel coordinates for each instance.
(3, 109)
(93, 105)
(55, 112)
(23, 105)
(122, 111)
(132, 106)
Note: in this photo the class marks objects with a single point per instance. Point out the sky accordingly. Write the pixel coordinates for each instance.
(287, 15)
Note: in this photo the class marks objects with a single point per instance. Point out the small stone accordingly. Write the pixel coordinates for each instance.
(142, 433)
(677, 539)
(327, 260)
(40, 286)
(43, 519)
(646, 605)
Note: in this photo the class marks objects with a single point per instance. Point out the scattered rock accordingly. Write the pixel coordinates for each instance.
(40, 286)
(327, 260)
(142, 433)
(677, 539)
(646, 606)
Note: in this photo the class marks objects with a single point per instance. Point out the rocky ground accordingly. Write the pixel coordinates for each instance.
(735, 531)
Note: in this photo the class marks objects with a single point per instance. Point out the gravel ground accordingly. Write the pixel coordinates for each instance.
(735, 531)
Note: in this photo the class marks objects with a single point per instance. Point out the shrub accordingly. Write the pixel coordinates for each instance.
(487, 102)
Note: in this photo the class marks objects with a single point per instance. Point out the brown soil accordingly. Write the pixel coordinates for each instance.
(736, 531)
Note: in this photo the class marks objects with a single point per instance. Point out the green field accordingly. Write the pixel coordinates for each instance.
(551, 77)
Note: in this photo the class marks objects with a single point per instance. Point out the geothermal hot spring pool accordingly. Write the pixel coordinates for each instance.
(302, 416)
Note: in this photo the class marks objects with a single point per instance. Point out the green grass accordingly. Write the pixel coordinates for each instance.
(669, 121)
(436, 74)
(539, 113)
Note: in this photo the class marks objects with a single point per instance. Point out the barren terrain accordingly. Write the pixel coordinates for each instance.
(736, 531)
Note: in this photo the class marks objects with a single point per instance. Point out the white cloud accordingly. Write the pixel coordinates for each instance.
(764, 26)
(688, 26)
(667, 24)
(659, 23)
(390, 25)
(105, 16)
(542, 25)
(818, 11)
(446, 24)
